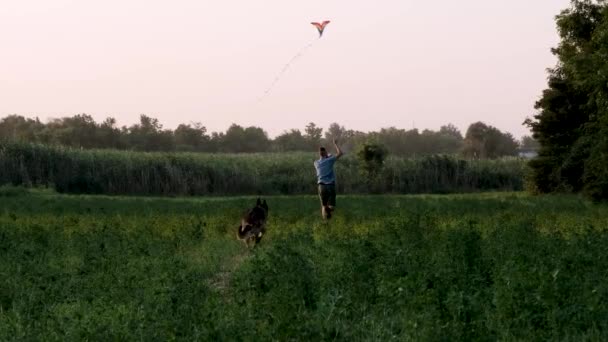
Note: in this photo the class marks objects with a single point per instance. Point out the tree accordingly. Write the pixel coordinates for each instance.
(313, 135)
(398, 141)
(449, 139)
(18, 128)
(192, 137)
(570, 124)
(528, 143)
(483, 141)
(450, 130)
(149, 135)
(335, 131)
(76, 131)
(505, 144)
(244, 140)
(110, 136)
(256, 140)
(474, 140)
(291, 141)
(347, 137)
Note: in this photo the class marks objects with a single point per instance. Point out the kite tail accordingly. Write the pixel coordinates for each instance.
(286, 67)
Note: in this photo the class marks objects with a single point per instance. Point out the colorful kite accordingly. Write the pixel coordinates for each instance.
(321, 27)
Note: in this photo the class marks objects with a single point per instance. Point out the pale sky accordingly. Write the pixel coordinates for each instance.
(382, 63)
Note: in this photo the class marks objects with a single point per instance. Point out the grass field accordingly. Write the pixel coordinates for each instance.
(426, 267)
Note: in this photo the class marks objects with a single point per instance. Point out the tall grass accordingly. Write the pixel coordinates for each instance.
(139, 173)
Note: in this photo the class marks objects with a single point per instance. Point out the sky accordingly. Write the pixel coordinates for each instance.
(400, 63)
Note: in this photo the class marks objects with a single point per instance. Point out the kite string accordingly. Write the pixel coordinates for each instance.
(286, 67)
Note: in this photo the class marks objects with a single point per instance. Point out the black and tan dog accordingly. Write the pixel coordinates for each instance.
(253, 224)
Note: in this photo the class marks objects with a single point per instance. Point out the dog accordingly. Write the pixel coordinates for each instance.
(253, 224)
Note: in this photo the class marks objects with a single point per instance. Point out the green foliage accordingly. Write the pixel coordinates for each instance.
(81, 131)
(483, 141)
(12, 191)
(571, 122)
(408, 143)
(191, 138)
(292, 141)
(595, 177)
(471, 267)
(138, 173)
(529, 143)
(243, 140)
(18, 128)
(371, 156)
(313, 135)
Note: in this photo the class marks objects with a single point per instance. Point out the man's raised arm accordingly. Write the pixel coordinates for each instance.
(339, 152)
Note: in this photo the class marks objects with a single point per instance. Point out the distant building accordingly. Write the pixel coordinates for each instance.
(527, 153)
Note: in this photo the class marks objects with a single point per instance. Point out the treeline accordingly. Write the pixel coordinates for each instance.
(70, 170)
(82, 131)
(571, 124)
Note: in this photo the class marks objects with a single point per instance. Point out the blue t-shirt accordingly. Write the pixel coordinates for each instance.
(325, 170)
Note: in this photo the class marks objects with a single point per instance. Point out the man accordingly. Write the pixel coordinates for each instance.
(326, 179)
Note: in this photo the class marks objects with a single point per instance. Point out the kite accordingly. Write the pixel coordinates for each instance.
(321, 27)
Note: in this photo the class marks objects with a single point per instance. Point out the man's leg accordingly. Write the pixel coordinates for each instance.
(323, 199)
(331, 200)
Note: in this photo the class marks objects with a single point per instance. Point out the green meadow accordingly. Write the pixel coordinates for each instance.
(490, 266)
